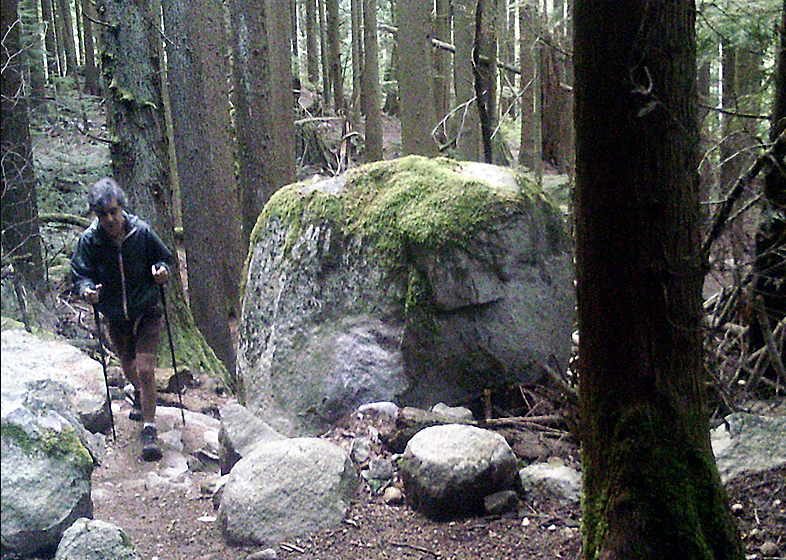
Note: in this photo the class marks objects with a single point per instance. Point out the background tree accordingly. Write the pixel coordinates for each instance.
(65, 37)
(91, 69)
(312, 41)
(484, 64)
(416, 78)
(467, 119)
(204, 146)
(371, 90)
(651, 487)
(21, 240)
(130, 61)
(333, 55)
(529, 151)
(769, 293)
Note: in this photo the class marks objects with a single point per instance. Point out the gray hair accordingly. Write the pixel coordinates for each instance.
(103, 192)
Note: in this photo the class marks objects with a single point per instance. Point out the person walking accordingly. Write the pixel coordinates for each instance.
(118, 266)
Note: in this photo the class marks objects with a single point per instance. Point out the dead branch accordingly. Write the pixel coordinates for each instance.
(67, 219)
(763, 163)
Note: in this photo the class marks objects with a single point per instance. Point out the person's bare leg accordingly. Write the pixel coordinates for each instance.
(146, 373)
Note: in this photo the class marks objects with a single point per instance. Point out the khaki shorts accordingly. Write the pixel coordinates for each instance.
(130, 338)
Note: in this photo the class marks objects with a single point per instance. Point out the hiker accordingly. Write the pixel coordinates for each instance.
(118, 266)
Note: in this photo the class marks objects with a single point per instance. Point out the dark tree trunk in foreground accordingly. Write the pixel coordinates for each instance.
(651, 487)
(130, 57)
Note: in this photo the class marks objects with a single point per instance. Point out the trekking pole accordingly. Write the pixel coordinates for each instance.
(103, 365)
(172, 350)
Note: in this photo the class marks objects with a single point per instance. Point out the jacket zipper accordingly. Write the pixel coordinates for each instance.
(123, 280)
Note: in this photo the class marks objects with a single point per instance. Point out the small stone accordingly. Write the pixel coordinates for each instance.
(266, 554)
(500, 502)
(769, 549)
(737, 509)
(393, 496)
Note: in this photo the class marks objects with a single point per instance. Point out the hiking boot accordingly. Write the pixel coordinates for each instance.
(134, 398)
(149, 439)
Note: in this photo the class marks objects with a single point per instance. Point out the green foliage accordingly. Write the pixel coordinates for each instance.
(741, 23)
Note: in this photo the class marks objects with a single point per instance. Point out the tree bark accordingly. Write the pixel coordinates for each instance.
(769, 291)
(199, 94)
(130, 54)
(651, 487)
(485, 67)
(312, 41)
(371, 90)
(415, 78)
(21, 239)
(467, 121)
(333, 54)
(91, 70)
(65, 36)
(529, 153)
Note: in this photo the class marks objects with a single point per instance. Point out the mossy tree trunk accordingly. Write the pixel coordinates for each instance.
(130, 55)
(651, 487)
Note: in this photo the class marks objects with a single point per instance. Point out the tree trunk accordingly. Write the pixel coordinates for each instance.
(651, 487)
(91, 70)
(485, 67)
(529, 153)
(442, 62)
(65, 36)
(356, 25)
(415, 78)
(198, 86)
(264, 106)
(334, 54)
(50, 39)
(130, 54)
(312, 41)
(371, 91)
(467, 121)
(323, 50)
(33, 49)
(21, 240)
(769, 293)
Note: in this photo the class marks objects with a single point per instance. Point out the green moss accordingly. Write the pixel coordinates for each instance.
(398, 203)
(55, 444)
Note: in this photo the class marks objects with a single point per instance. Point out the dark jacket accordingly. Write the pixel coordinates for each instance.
(123, 269)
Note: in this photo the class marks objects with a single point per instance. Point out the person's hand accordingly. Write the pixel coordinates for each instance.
(92, 295)
(160, 274)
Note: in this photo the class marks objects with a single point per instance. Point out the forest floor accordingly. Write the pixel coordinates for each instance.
(178, 523)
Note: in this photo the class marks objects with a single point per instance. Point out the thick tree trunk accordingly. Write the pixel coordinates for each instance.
(130, 57)
(415, 78)
(651, 488)
(199, 97)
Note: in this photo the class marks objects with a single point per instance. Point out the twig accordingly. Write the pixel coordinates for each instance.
(414, 547)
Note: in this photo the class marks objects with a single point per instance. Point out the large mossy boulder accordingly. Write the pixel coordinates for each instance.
(414, 280)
